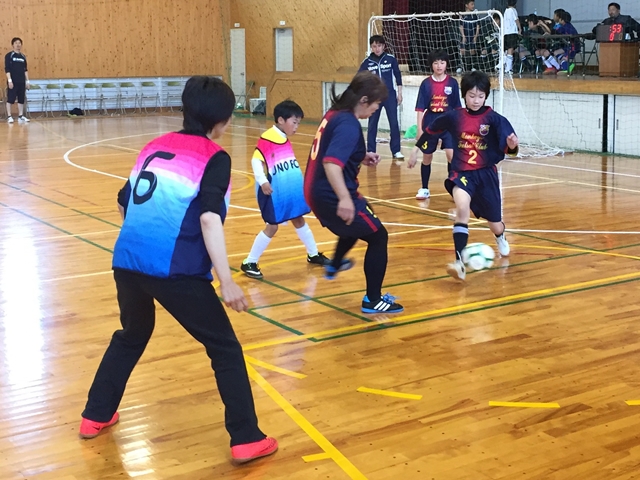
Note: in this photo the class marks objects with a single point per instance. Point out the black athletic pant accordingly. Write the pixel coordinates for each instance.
(192, 302)
(375, 259)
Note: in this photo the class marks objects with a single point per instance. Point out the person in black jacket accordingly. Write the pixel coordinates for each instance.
(15, 67)
(615, 18)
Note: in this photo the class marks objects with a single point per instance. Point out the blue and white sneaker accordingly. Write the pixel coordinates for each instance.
(385, 304)
(330, 272)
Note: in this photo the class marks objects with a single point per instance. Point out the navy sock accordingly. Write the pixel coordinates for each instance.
(425, 173)
(460, 238)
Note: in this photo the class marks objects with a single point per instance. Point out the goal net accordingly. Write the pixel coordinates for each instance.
(473, 41)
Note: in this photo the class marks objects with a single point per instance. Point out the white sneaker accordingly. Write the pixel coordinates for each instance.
(423, 194)
(398, 156)
(10, 120)
(23, 119)
(503, 245)
(457, 270)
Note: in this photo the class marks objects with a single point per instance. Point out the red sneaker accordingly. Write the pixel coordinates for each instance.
(90, 429)
(250, 451)
(550, 71)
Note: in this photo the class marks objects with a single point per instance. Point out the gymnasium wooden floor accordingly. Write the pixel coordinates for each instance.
(554, 326)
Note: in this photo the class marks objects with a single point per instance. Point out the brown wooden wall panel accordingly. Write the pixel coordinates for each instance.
(120, 38)
(327, 35)
(305, 89)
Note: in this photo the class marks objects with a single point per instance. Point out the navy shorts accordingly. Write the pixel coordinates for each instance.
(483, 187)
(468, 45)
(17, 92)
(431, 145)
(364, 223)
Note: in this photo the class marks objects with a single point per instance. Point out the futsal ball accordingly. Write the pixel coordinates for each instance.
(478, 256)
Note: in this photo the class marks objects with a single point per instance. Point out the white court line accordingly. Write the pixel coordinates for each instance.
(575, 168)
(329, 242)
(416, 207)
(574, 182)
(447, 194)
(518, 230)
(72, 277)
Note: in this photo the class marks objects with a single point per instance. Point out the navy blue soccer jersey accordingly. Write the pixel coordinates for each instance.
(480, 140)
(338, 140)
(435, 98)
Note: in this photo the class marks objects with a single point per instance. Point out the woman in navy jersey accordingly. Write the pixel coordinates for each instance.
(331, 186)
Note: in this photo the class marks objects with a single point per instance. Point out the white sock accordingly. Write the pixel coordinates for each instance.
(554, 62)
(508, 60)
(260, 244)
(547, 63)
(306, 235)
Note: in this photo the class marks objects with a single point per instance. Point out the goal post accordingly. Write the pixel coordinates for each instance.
(473, 41)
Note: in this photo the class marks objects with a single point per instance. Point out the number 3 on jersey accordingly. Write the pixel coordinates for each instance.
(316, 141)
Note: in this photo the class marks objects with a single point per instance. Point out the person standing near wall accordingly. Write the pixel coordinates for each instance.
(15, 67)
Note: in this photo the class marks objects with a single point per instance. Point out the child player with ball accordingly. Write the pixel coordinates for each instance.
(481, 137)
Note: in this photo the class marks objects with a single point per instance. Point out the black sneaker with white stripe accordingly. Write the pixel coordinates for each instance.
(385, 304)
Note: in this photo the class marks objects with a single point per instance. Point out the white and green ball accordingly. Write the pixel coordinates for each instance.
(478, 256)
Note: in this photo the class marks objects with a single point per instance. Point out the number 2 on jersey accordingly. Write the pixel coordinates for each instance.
(473, 154)
(315, 147)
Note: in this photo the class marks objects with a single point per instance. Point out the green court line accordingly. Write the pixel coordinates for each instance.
(61, 205)
(252, 311)
(421, 280)
(57, 228)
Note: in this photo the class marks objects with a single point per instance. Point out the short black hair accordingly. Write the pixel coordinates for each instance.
(467, 2)
(511, 3)
(286, 110)
(377, 39)
(558, 12)
(533, 18)
(565, 17)
(477, 79)
(438, 55)
(15, 39)
(613, 4)
(206, 102)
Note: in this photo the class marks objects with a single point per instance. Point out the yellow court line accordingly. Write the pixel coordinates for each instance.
(331, 451)
(315, 457)
(632, 403)
(472, 221)
(252, 181)
(375, 391)
(456, 308)
(273, 368)
(524, 405)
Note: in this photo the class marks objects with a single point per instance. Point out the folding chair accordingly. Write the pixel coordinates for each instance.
(174, 90)
(92, 98)
(71, 96)
(110, 97)
(128, 97)
(35, 95)
(52, 99)
(148, 92)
